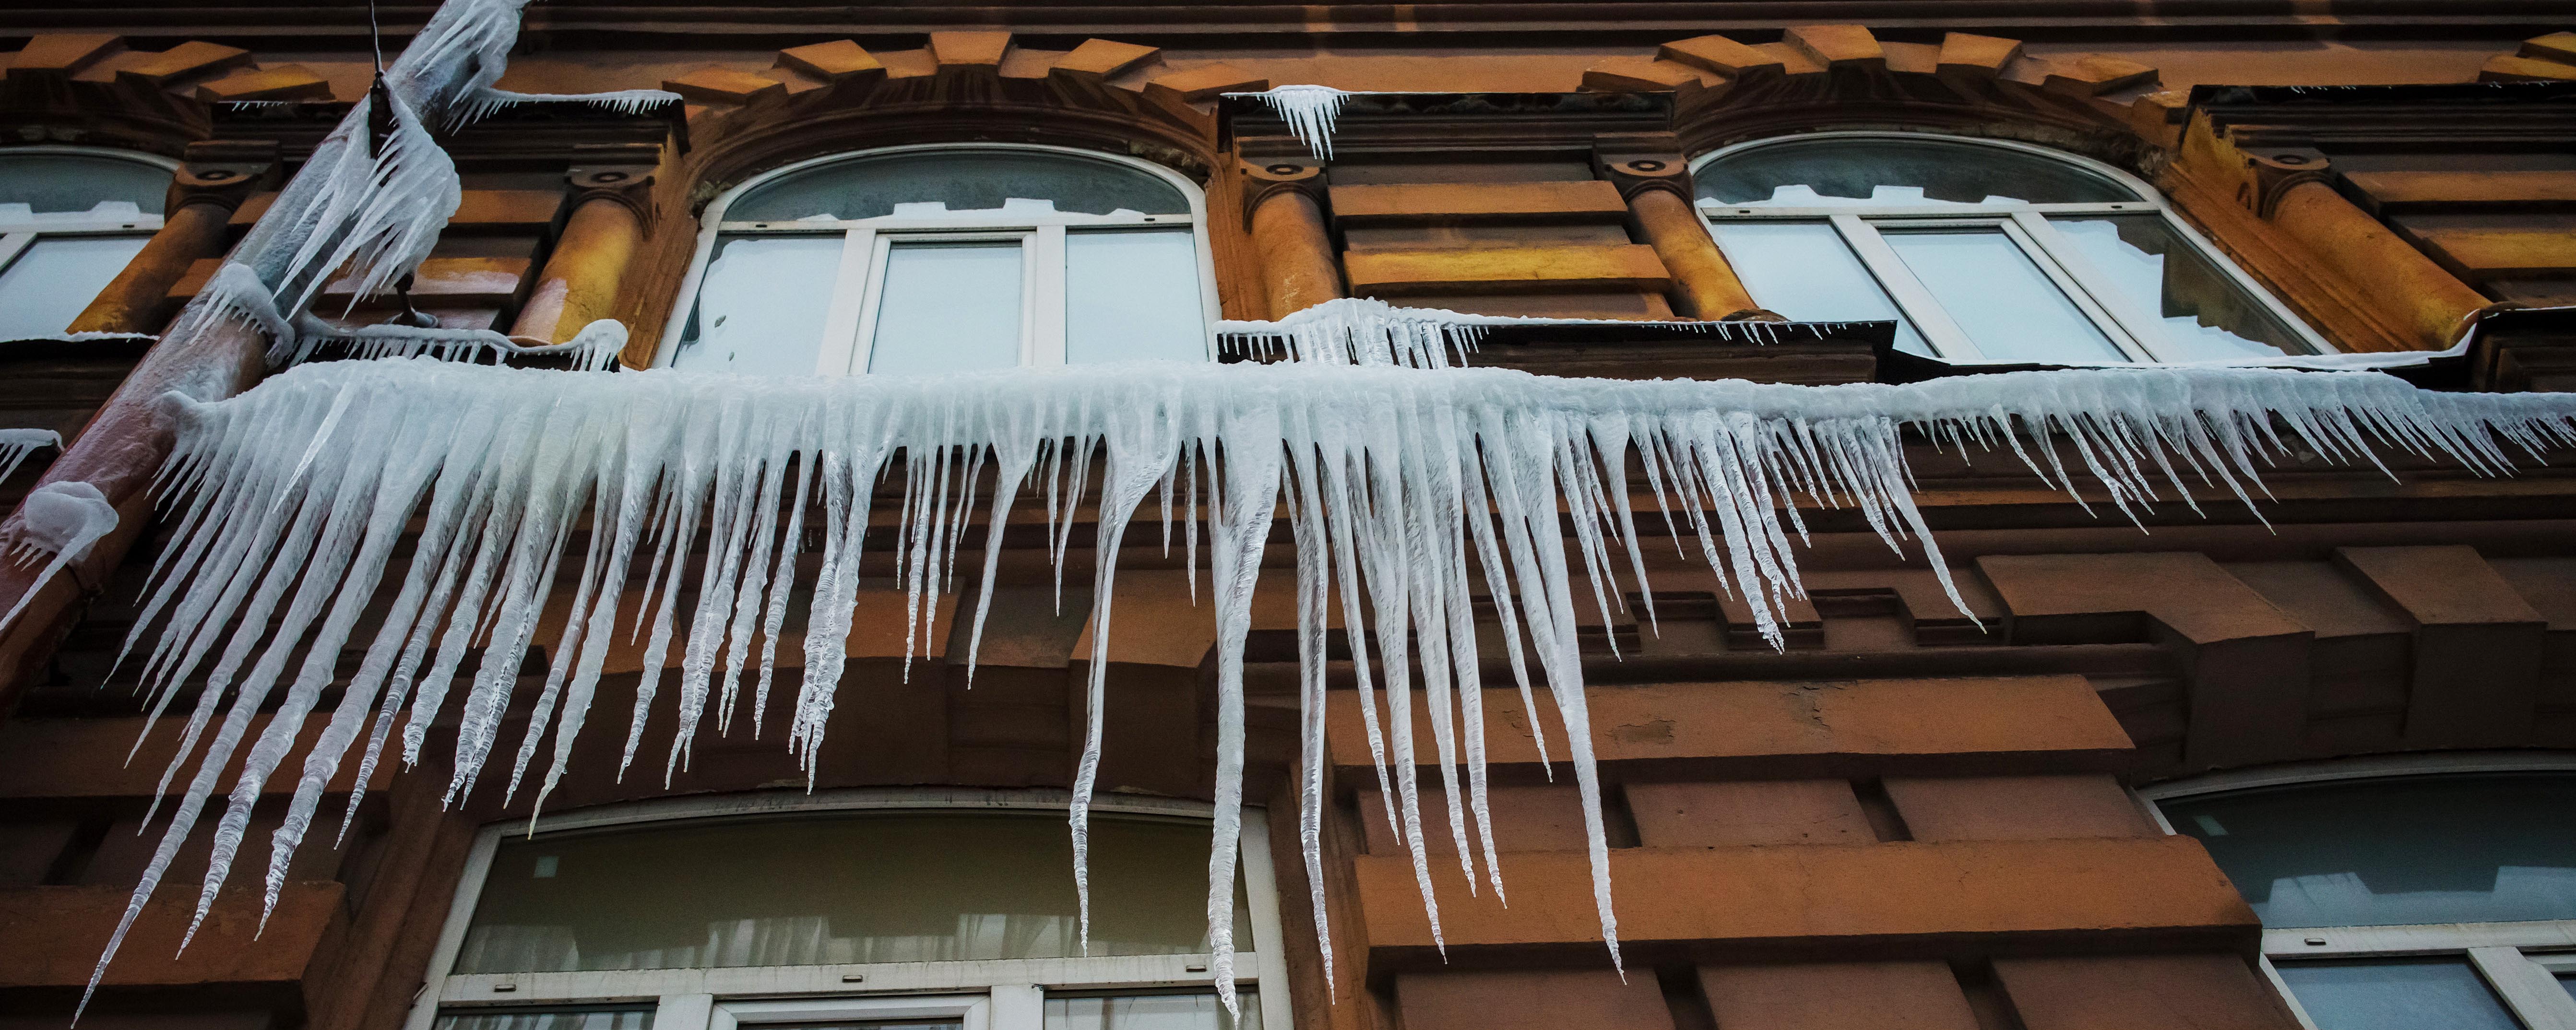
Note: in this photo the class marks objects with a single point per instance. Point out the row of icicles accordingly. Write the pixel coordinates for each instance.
(1411, 496)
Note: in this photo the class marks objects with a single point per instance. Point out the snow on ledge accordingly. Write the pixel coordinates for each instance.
(1366, 331)
(299, 492)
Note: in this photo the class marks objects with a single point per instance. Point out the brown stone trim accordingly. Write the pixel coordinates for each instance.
(231, 947)
(1748, 901)
(1861, 727)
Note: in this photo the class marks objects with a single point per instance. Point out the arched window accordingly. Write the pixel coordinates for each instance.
(948, 259)
(2435, 891)
(70, 220)
(1982, 251)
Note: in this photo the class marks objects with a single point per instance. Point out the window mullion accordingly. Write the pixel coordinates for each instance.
(2130, 329)
(1911, 296)
(1016, 1007)
(12, 245)
(841, 353)
(2273, 976)
(2534, 996)
(1043, 314)
(684, 1012)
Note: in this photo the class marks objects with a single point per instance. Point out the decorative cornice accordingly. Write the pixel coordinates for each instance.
(2443, 116)
(1821, 76)
(668, 23)
(1388, 125)
(959, 87)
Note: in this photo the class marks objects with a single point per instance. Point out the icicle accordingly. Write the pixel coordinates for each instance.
(296, 490)
(1309, 112)
(16, 445)
(61, 518)
(594, 349)
(488, 102)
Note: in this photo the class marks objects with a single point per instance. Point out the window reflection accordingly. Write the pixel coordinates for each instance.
(2396, 994)
(948, 307)
(762, 305)
(2203, 316)
(630, 1017)
(851, 888)
(1999, 297)
(2435, 849)
(1804, 271)
(1150, 1012)
(1981, 251)
(55, 278)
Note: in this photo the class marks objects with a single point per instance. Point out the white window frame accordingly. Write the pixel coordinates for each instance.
(18, 235)
(2519, 961)
(849, 324)
(2137, 333)
(989, 994)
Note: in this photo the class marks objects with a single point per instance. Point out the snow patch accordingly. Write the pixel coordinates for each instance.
(1404, 489)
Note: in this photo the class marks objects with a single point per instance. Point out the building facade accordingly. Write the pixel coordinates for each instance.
(2309, 761)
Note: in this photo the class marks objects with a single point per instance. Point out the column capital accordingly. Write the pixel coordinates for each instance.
(224, 173)
(1262, 179)
(1639, 161)
(630, 185)
(2274, 170)
(1635, 173)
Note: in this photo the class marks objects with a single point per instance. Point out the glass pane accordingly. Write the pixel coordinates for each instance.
(838, 888)
(762, 305)
(1133, 296)
(1999, 297)
(948, 307)
(1910, 171)
(963, 180)
(1805, 271)
(931, 1023)
(2395, 994)
(2567, 982)
(600, 1018)
(49, 183)
(1150, 1012)
(56, 277)
(2206, 314)
(2433, 849)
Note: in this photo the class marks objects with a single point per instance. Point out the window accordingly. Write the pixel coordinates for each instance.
(70, 219)
(931, 910)
(2427, 894)
(1982, 251)
(948, 259)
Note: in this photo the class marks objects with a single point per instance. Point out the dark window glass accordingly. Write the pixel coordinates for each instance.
(55, 183)
(587, 1017)
(837, 888)
(964, 180)
(1945, 170)
(2395, 994)
(2434, 849)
